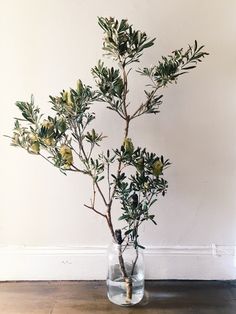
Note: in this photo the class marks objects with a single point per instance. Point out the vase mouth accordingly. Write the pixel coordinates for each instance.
(127, 244)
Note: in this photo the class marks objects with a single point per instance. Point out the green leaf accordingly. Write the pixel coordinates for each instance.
(128, 231)
(140, 246)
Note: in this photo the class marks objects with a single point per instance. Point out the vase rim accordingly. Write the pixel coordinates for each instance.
(129, 244)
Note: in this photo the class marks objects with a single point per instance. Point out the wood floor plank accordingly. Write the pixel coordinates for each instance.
(89, 297)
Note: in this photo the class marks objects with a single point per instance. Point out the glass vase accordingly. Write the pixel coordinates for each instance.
(125, 278)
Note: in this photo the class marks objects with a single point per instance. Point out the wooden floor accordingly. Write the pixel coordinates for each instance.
(162, 297)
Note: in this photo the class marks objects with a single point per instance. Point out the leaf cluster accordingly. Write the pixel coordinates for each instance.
(171, 67)
(29, 111)
(63, 132)
(139, 191)
(151, 105)
(122, 42)
(109, 81)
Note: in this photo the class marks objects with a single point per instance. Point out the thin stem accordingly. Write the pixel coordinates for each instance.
(125, 92)
(111, 103)
(78, 136)
(127, 118)
(122, 264)
(110, 224)
(101, 193)
(75, 151)
(46, 159)
(94, 196)
(86, 158)
(78, 170)
(108, 180)
(134, 263)
(135, 114)
(119, 164)
(91, 149)
(96, 211)
(125, 246)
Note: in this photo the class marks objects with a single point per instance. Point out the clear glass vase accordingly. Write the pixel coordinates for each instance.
(125, 278)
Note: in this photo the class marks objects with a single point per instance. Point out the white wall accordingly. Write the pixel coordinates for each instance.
(46, 46)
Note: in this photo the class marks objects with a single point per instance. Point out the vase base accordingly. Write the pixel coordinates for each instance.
(117, 292)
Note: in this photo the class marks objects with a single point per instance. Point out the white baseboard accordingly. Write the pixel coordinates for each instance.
(86, 263)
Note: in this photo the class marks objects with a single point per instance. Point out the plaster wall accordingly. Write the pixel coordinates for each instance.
(45, 46)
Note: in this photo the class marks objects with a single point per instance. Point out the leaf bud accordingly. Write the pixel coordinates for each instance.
(35, 148)
(67, 98)
(33, 137)
(66, 154)
(61, 124)
(47, 124)
(94, 135)
(15, 139)
(49, 141)
(140, 164)
(79, 87)
(134, 200)
(157, 167)
(118, 236)
(128, 146)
